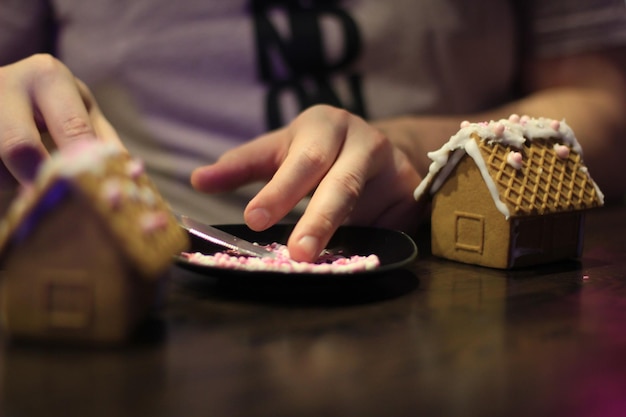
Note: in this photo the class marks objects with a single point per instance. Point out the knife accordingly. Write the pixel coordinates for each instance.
(220, 237)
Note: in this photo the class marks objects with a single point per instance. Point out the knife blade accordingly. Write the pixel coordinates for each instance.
(222, 238)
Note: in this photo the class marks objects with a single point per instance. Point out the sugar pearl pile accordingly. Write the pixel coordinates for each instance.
(282, 263)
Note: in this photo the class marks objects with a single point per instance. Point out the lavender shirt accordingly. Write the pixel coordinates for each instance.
(183, 81)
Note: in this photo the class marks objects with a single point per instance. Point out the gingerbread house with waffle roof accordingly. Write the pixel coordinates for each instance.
(83, 250)
(509, 193)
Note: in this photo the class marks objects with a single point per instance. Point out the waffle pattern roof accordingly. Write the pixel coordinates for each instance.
(546, 183)
(531, 166)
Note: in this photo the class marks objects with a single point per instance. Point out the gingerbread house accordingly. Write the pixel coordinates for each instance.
(509, 193)
(82, 251)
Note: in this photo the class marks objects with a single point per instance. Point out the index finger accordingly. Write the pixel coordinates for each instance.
(317, 140)
(21, 148)
(59, 98)
(39, 85)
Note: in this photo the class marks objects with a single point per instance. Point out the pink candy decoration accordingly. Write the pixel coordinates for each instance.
(498, 129)
(561, 151)
(327, 264)
(555, 125)
(152, 222)
(465, 123)
(514, 118)
(514, 159)
(135, 168)
(112, 193)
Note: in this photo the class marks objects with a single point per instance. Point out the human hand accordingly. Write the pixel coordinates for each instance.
(43, 106)
(355, 173)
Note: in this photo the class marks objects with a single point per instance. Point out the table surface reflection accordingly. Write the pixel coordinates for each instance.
(440, 338)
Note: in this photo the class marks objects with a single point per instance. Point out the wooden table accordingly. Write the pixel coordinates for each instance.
(442, 339)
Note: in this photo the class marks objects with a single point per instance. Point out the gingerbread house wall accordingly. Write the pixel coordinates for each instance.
(466, 225)
(67, 280)
(546, 238)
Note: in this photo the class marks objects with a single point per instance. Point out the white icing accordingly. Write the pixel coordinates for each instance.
(447, 169)
(131, 190)
(114, 190)
(472, 150)
(148, 197)
(82, 156)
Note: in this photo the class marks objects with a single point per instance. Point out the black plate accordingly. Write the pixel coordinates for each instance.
(394, 249)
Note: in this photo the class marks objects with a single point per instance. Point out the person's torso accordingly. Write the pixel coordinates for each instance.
(199, 77)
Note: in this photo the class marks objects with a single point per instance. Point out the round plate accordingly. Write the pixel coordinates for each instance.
(394, 249)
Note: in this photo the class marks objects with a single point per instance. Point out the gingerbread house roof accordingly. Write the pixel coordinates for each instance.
(531, 166)
(115, 185)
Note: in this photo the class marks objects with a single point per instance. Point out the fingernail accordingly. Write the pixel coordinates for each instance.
(309, 245)
(258, 218)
